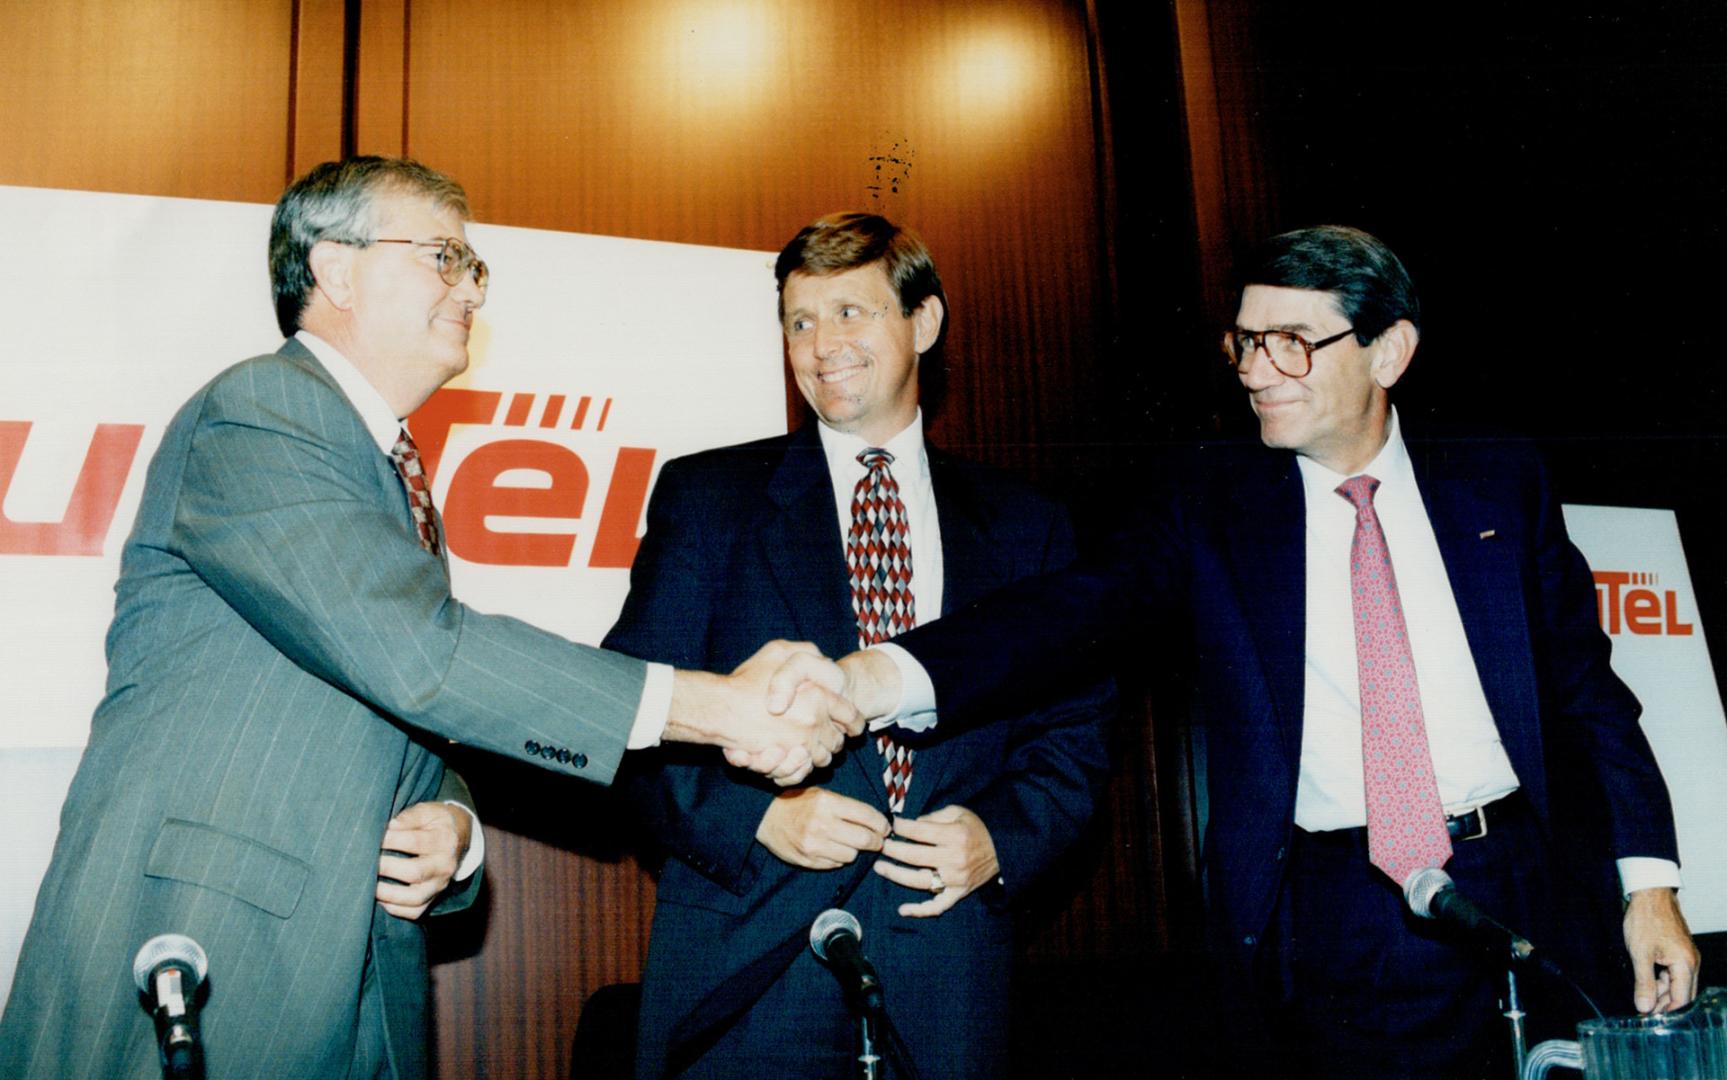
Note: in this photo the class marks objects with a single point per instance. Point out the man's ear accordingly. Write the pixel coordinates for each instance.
(333, 272)
(926, 322)
(1392, 352)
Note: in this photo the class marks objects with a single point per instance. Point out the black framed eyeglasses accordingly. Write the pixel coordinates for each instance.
(1290, 353)
(456, 260)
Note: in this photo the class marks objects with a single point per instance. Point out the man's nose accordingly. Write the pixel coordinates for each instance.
(1258, 372)
(468, 292)
(824, 342)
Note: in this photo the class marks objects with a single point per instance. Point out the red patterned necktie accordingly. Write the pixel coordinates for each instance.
(407, 458)
(878, 556)
(1405, 821)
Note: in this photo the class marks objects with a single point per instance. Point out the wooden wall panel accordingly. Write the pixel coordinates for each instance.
(380, 101)
(319, 102)
(734, 124)
(158, 97)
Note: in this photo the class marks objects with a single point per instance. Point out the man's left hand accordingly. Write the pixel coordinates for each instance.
(423, 846)
(1663, 956)
(950, 848)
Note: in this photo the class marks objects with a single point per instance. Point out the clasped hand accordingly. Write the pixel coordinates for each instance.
(947, 853)
(798, 678)
(785, 743)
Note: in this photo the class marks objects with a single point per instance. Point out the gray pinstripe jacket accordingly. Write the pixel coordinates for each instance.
(282, 654)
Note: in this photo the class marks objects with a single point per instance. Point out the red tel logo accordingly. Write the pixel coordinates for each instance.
(1639, 609)
(473, 496)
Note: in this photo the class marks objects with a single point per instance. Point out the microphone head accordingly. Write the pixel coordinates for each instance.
(1422, 886)
(830, 922)
(164, 948)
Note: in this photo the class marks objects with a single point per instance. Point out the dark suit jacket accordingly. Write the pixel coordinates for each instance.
(282, 655)
(1224, 552)
(742, 546)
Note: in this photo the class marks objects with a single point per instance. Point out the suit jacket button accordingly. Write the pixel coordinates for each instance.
(548, 752)
(531, 746)
(580, 761)
(1280, 852)
(1249, 940)
(563, 755)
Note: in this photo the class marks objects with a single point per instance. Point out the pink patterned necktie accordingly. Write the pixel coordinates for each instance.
(407, 458)
(1405, 822)
(878, 557)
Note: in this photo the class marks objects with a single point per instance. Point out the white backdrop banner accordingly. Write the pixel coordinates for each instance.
(594, 360)
(1644, 597)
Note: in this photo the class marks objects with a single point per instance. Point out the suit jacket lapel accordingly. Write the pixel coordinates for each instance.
(804, 548)
(1264, 529)
(1476, 537)
(383, 468)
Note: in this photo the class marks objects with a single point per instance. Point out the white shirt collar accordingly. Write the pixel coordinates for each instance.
(1389, 466)
(381, 421)
(842, 448)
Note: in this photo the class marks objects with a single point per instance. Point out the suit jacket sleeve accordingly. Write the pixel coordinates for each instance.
(1033, 637)
(1057, 767)
(279, 512)
(687, 799)
(1588, 699)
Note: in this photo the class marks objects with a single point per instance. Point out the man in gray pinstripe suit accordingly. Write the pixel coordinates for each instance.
(285, 658)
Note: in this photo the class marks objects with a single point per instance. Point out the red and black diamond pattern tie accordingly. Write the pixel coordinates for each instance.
(407, 458)
(878, 556)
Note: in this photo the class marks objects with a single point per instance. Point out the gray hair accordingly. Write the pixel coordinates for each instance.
(336, 201)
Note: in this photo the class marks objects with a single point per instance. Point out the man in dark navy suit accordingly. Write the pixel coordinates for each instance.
(1399, 667)
(847, 531)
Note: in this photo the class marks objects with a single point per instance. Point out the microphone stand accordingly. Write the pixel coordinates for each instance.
(869, 1062)
(875, 1034)
(1514, 1016)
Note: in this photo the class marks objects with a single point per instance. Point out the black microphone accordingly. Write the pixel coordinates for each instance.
(836, 938)
(1433, 895)
(168, 971)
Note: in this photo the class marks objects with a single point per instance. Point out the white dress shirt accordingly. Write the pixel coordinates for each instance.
(1468, 759)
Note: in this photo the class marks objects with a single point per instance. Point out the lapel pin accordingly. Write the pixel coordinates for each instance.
(1488, 534)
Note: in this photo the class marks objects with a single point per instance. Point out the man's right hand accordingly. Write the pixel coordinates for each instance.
(728, 711)
(866, 678)
(819, 830)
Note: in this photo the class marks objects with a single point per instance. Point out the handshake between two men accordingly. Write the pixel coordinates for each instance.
(786, 710)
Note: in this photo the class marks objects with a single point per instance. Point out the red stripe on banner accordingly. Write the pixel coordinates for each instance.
(95, 494)
(554, 408)
(520, 404)
(604, 412)
(581, 412)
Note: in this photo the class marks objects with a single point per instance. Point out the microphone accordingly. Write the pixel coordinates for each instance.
(1433, 895)
(835, 938)
(168, 970)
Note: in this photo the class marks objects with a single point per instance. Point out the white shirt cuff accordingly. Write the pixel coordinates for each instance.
(655, 708)
(915, 710)
(476, 844)
(1642, 872)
